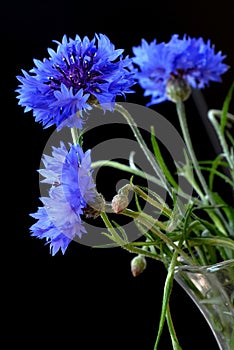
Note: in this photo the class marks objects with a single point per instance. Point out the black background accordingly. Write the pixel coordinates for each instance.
(88, 299)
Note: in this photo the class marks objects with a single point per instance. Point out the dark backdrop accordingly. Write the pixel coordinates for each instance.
(88, 299)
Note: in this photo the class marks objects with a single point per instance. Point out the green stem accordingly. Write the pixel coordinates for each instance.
(149, 223)
(201, 255)
(184, 127)
(211, 115)
(116, 238)
(130, 248)
(152, 220)
(208, 196)
(143, 174)
(117, 165)
(143, 146)
(166, 296)
(174, 339)
(148, 199)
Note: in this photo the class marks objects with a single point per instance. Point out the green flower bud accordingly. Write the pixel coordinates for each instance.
(138, 265)
(178, 89)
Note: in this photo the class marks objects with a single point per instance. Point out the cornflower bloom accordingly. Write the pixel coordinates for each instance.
(79, 74)
(167, 69)
(72, 190)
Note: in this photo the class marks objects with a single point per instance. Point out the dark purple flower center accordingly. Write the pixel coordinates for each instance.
(77, 72)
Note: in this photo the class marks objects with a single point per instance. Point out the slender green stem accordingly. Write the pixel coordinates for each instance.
(116, 238)
(201, 254)
(150, 200)
(123, 167)
(149, 223)
(144, 147)
(211, 115)
(174, 339)
(166, 295)
(194, 184)
(126, 168)
(135, 250)
(149, 218)
(184, 127)
(207, 196)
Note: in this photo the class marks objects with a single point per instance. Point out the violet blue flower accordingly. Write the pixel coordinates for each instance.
(77, 75)
(188, 59)
(72, 189)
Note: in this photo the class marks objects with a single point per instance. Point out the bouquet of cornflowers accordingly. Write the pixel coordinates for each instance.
(183, 219)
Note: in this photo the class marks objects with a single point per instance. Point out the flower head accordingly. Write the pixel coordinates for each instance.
(75, 76)
(72, 189)
(188, 59)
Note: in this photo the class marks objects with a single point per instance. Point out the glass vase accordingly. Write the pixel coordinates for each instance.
(212, 289)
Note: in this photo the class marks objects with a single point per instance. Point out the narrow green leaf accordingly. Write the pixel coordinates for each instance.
(213, 168)
(159, 157)
(228, 210)
(218, 173)
(211, 227)
(215, 241)
(122, 231)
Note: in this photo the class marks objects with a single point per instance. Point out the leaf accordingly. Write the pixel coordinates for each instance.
(228, 210)
(122, 231)
(215, 241)
(159, 157)
(214, 166)
(219, 174)
(211, 227)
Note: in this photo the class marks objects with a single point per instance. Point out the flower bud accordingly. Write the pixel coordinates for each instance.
(119, 202)
(178, 89)
(138, 265)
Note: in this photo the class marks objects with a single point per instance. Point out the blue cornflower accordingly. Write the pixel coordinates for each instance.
(189, 62)
(77, 75)
(72, 190)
